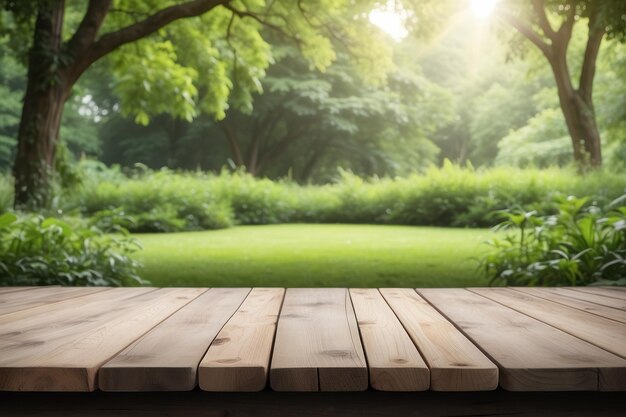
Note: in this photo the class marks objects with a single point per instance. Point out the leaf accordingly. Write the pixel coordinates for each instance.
(7, 219)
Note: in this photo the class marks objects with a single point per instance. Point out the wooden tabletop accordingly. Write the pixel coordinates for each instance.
(312, 339)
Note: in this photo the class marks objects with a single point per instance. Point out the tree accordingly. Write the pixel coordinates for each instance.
(78, 129)
(304, 124)
(305, 118)
(535, 21)
(66, 40)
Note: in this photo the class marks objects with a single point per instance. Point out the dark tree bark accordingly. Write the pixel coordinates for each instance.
(54, 67)
(576, 103)
(233, 143)
(46, 92)
(316, 154)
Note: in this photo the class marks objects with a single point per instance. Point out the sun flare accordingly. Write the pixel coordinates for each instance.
(389, 21)
(482, 9)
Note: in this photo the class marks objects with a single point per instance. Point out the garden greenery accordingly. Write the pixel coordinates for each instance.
(167, 201)
(49, 251)
(580, 245)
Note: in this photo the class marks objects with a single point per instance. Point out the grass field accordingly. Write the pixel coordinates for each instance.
(315, 256)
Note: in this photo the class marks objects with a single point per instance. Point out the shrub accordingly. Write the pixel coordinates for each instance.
(46, 251)
(452, 196)
(580, 245)
(158, 201)
(252, 200)
(6, 193)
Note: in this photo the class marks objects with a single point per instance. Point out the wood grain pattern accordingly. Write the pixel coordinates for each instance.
(455, 363)
(558, 295)
(594, 298)
(238, 359)
(22, 300)
(63, 350)
(90, 306)
(542, 339)
(317, 346)
(167, 357)
(604, 333)
(393, 360)
(4, 290)
(532, 355)
(603, 291)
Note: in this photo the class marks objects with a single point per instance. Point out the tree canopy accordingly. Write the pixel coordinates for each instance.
(282, 88)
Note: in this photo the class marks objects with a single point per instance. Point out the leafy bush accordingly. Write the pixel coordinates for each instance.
(6, 193)
(158, 201)
(580, 245)
(167, 201)
(45, 251)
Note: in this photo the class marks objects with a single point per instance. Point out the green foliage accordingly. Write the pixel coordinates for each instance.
(209, 63)
(543, 142)
(451, 196)
(6, 193)
(49, 251)
(11, 90)
(158, 202)
(580, 245)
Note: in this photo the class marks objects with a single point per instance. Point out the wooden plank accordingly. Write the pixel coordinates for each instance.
(5, 290)
(602, 291)
(393, 360)
(40, 318)
(532, 356)
(604, 333)
(559, 296)
(239, 358)
(63, 350)
(594, 298)
(317, 345)
(455, 363)
(22, 300)
(167, 357)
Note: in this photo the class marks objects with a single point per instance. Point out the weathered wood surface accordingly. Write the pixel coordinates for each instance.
(595, 298)
(602, 291)
(455, 363)
(11, 302)
(324, 339)
(167, 357)
(393, 360)
(599, 331)
(4, 290)
(64, 351)
(317, 345)
(531, 355)
(239, 358)
(558, 295)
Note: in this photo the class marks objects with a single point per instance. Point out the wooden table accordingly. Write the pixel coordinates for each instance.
(312, 339)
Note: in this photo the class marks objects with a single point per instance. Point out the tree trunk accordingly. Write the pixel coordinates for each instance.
(576, 104)
(47, 90)
(579, 117)
(54, 67)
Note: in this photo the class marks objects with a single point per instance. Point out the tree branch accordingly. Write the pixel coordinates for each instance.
(230, 135)
(527, 32)
(565, 31)
(113, 40)
(88, 29)
(588, 71)
(544, 24)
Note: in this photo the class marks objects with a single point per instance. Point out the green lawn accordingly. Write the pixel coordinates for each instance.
(315, 256)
